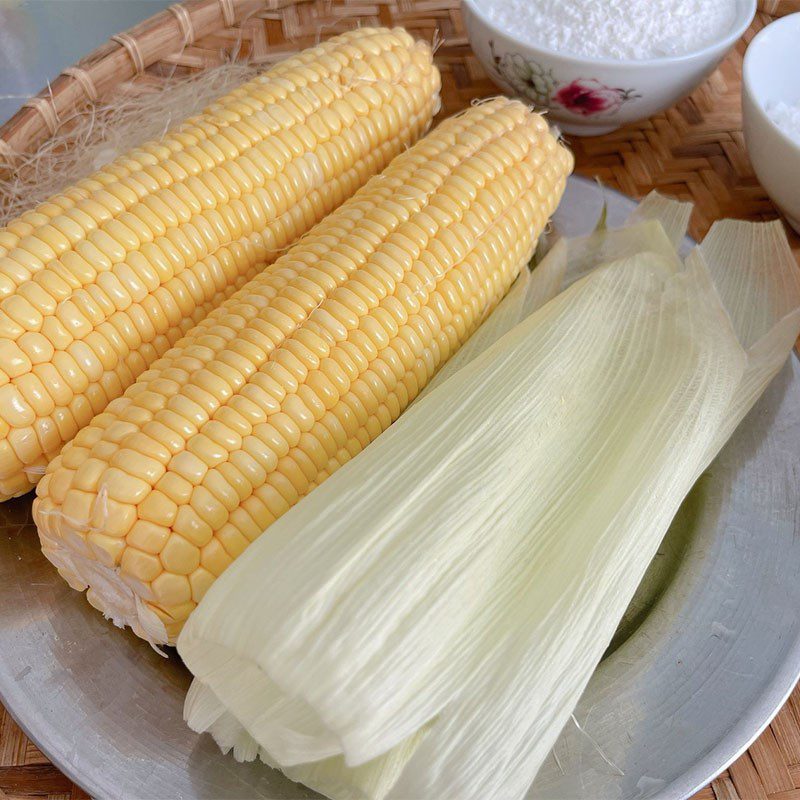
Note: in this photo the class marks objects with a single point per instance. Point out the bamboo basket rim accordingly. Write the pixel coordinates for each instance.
(124, 56)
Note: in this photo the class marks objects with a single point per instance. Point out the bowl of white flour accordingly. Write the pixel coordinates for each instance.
(598, 64)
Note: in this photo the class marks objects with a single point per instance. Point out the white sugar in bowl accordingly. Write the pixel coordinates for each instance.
(590, 95)
(771, 74)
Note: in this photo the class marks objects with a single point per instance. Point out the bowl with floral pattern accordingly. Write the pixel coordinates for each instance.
(591, 96)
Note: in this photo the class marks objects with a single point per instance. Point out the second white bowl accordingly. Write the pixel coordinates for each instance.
(592, 96)
(771, 73)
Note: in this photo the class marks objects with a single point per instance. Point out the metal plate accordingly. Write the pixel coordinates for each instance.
(706, 655)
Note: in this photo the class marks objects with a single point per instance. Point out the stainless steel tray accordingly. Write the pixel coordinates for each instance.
(708, 651)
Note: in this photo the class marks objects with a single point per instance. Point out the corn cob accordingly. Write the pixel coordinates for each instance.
(100, 281)
(299, 370)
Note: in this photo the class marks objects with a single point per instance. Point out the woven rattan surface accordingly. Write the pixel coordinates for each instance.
(693, 151)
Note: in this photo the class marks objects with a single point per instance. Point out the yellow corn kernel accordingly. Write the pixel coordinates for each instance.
(101, 280)
(347, 327)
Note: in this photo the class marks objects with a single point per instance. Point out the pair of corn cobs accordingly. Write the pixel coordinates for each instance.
(195, 336)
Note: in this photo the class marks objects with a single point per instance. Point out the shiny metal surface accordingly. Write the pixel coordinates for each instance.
(706, 655)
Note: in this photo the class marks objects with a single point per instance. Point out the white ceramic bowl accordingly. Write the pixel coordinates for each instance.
(591, 96)
(772, 73)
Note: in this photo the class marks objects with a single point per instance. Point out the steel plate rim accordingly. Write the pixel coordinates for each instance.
(725, 755)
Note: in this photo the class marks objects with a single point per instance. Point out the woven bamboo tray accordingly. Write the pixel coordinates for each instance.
(693, 151)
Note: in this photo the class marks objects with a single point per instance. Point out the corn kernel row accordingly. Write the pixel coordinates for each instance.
(178, 233)
(340, 60)
(300, 370)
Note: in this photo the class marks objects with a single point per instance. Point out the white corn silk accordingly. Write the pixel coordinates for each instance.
(424, 622)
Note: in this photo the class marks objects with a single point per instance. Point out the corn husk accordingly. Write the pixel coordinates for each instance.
(672, 214)
(423, 624)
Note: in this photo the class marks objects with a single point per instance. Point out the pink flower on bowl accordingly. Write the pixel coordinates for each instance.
(587, 96)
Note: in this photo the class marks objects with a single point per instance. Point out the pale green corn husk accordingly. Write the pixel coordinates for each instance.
(423, 624)
(584, 253)
(672, 214)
